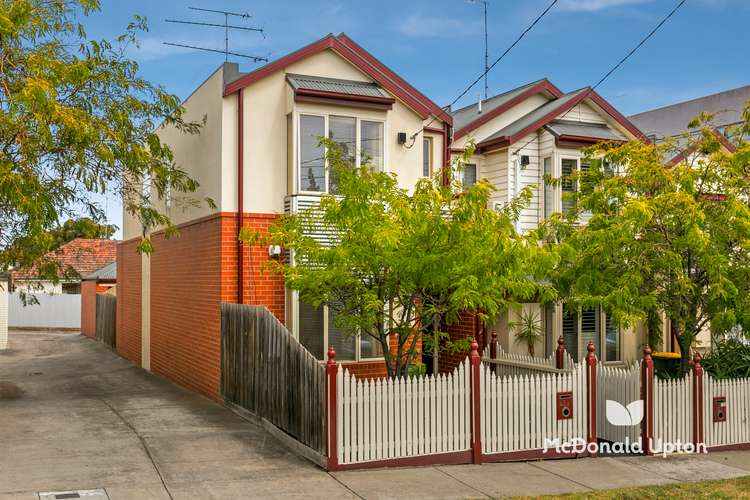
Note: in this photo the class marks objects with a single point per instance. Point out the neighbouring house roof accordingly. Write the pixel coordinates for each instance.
(80, 257)
(106, 273)
(549, 112)
(571, 129)
(361, 59)
(469, 117)
(672, 120)
(682, 143)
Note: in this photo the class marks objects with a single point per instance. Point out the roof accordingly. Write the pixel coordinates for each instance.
(469, 117)
(549, 112)
(560, 128)
(671, 120)
(335, 85)
(80, 256)
(108, 272)
(361, 59)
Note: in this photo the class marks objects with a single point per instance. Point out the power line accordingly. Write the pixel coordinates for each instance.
(656, 28)
(479, 78)
(627, 56)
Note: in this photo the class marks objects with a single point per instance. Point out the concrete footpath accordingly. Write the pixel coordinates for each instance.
(75, 416)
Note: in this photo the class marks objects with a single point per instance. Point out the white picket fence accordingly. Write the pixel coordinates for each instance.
(395, 418)
(622, 385)
(519, 412)
(736, 428)
(673, 411)
(506, 363)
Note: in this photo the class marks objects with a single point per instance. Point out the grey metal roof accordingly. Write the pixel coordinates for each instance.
(595, 130)
(467, 114)
(672, 120)
(324, 84)
(537, 114)
(108, 272)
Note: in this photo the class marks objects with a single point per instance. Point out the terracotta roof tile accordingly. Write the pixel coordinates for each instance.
(82, 256)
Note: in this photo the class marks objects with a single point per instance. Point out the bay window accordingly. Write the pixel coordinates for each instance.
(581, 326)
(317, 331)
(427, 157)
(469, 175)
(360, 140)
(568, 167)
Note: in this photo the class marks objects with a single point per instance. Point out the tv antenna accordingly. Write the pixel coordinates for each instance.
(226, 27)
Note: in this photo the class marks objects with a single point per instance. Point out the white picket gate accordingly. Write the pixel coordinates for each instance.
(519, 412)
(622, 385)
(384, 419)
(506, 363)
(673, 411)
(735, 428)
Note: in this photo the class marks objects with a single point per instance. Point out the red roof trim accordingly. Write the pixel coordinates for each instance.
(584, 139)
(360, 58)
(723, 140)
(531, 91)
(496, 143)
(427, 102)
(619, 117)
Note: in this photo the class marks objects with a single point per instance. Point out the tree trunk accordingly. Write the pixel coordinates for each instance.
(684, 353)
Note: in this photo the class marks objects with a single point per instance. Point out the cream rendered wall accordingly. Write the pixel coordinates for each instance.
(437, 151)
(266, 108)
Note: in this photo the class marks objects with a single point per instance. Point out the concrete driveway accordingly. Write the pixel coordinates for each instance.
(75, 416)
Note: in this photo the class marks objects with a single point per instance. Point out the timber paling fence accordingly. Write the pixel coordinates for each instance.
(266, 371)
(106, 307)
(477, 413)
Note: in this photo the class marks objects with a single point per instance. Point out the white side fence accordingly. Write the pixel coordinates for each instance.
(519, 412)
(622, 386)
(51, 311)
(386, 419)
(732, 424)
(673, 411)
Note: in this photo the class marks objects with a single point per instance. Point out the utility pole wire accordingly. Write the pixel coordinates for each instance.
(479, 78)
(614, 68)
(656, 28)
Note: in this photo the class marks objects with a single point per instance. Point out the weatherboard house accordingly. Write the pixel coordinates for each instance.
(258, 157)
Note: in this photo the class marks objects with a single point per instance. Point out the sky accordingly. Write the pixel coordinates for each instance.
(438, 45)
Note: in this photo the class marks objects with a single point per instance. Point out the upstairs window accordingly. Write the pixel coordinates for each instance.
(427, 157)
(469, 176)
(359, 140)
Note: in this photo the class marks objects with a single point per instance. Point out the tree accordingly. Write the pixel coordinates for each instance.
(661, 236)
(76, 120)
(528, 330)
(396, 259)
(83, 227)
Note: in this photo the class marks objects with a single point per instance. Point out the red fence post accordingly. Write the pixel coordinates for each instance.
(697, 400)
(331, 374)
(647, 395)
(591, 392)
(560, 353)
(476, 428)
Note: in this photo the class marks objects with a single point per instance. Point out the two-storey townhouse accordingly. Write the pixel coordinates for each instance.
(258, 156)
(524, 136)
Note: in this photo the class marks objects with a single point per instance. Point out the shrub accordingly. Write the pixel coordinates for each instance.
(730, 358)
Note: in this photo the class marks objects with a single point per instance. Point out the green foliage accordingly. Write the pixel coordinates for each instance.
(661, 238)
(528, 330)
(729, 358)
(83, 227)
(404, 263)
(76, 121)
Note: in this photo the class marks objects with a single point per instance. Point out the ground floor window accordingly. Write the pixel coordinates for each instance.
(581, 326)
(317, 330)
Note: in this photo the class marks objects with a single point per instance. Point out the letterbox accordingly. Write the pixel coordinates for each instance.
(564, 405)
(720, 409)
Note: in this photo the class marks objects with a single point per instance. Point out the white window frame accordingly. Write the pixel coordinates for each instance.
(602, 355)
(326, 130)
(431, 140)
(294, 298)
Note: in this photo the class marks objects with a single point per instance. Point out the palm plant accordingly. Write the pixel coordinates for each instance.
(528, 329)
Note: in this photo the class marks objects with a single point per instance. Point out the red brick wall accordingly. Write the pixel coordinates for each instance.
(128, 321)
(465, 327)
(88, 308)
(367, 369)
(185, 300)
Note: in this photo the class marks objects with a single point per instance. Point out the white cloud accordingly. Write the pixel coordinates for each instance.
(426, 26)
(594, 5)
